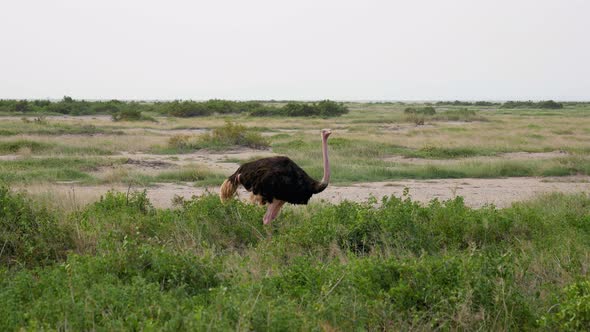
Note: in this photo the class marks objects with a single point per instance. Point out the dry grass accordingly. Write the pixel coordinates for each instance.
(379, 129)
(61, 197)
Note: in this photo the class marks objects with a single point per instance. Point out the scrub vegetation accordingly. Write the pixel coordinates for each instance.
(230, 135)
(121, 264)
(132, 111)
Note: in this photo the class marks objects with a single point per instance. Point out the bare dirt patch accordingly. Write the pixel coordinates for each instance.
(10, 157)
(404, 127)
(534, 155)
(149, 164)
(214, 160)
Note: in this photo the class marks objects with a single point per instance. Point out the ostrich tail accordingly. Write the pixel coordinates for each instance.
(228, 188)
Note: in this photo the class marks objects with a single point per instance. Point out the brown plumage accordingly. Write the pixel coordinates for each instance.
(276, 180)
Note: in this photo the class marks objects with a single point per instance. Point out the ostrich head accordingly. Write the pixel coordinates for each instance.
(326, 133)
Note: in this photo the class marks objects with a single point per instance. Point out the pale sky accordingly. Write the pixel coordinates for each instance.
(303, 50)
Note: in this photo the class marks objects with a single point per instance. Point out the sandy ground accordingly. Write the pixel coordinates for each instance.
(213, 160)
(477, 192)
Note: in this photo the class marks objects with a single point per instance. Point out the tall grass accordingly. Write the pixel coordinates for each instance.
(121, 264)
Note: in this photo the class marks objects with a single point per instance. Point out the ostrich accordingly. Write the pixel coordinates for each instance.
(276, 180)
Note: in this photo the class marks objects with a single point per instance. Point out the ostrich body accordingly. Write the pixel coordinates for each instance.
(276, 180)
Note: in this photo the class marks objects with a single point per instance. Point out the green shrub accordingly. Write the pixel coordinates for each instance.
(485, 103)
(232, 134)
(132, 110)
(573, 312)
(22, 106)
(228, 136)
(428, 110)
(550, 104)
(299, 109)
(187, 109)
(127, 115)
(265, 111)
(137, 289)
(454, 103)
(328, 108)
(130, 202)
(233, 225)
(214, 106)
(30, 235)
(459, 115)
(110, 107)
(324, 108)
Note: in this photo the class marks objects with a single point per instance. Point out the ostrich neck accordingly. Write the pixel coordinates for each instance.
(326, 179)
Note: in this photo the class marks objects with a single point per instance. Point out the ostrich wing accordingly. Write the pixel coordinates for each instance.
(277, 178)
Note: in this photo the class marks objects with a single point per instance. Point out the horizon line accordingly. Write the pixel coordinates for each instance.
(302, 100)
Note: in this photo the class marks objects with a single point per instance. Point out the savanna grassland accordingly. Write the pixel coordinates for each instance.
(75, 255)
(382, 147)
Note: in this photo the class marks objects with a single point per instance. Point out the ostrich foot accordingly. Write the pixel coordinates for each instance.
(272, 211)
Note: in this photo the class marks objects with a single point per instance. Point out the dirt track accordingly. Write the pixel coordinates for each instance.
(477, 192)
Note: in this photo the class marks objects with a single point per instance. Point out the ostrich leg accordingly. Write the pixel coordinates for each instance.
(272, 211)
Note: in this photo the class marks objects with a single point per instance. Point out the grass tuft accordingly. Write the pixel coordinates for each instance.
(229, 136)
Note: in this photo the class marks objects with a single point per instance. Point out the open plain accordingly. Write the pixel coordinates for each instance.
(446, 216)
(503, 155)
